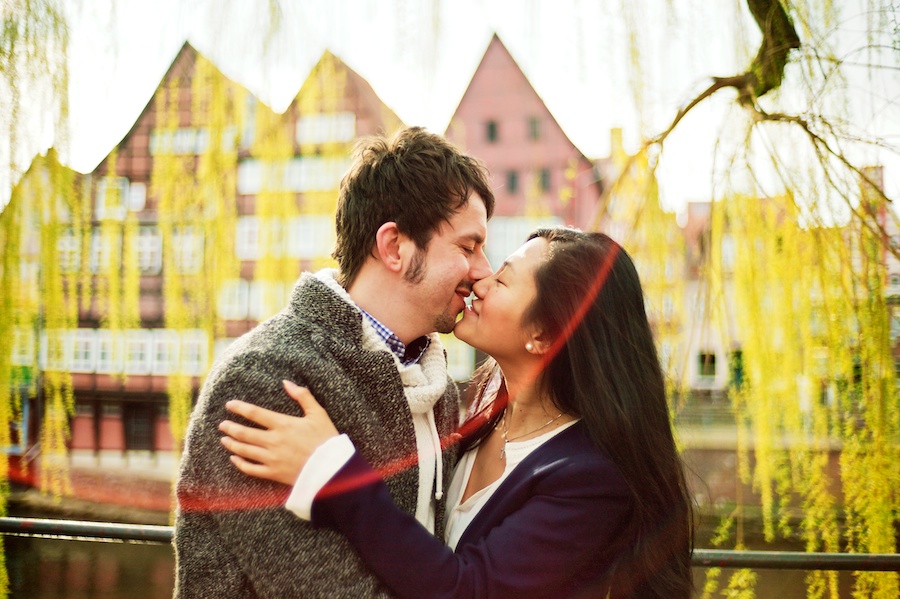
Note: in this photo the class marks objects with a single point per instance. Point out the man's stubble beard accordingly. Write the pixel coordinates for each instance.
(443, 323)
(416, 272)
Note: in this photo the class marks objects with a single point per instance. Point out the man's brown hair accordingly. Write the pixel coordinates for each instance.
(416, 179)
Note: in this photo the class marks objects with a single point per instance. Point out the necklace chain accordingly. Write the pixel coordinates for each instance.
(505, 432)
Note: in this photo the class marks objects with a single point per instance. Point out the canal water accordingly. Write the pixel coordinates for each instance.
(55, 569)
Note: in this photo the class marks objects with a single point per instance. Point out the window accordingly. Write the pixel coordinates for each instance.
(310, 237)
(102, 249)
(895, 327)
(84, 350)
(323, 128)
(56, 349)
(246, 244)
(707, 364)
(184, 141)
(233, 300)
(266, 298)
(111, 198)
(194, 347)
(534, 128)
(544, 179)
(249, 176)
(895, 280)
(84, 409)
(137, 197)
(68, 249)
(149, 251)
(491, 131)
(302, 174)
(187, 244)
(512, 181)
(109, 352)
(165, 351)
(111, 409)
(138, 357)
(138, 426)
(272, 237)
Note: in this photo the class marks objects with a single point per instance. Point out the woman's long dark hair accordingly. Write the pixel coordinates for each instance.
(603, 367)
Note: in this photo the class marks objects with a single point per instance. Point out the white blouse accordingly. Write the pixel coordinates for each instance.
(460, 515)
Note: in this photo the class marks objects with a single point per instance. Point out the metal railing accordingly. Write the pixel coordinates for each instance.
(702, 558)
(81, 530)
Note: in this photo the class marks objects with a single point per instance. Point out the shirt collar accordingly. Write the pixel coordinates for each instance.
(406, 354)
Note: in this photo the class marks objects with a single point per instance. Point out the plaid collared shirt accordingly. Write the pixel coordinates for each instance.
(406, 355)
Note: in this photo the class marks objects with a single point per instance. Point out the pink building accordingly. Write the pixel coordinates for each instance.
(537, 170)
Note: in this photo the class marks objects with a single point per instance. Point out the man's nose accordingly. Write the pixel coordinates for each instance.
(480, 267)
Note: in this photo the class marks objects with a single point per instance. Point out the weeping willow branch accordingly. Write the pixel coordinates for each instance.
(871, 223)
(765, 74)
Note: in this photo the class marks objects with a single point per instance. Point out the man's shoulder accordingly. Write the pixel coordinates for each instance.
(318, 298)
(313, 316)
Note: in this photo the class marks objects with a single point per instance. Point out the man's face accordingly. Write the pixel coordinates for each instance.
(442, 275)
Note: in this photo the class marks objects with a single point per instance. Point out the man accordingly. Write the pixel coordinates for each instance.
(411, 224)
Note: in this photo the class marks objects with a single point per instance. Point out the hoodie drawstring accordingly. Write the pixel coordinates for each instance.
(438, 458)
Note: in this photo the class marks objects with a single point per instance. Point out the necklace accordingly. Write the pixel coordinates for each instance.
(505, 432)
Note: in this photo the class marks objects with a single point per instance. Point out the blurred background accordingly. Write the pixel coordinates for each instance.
(167, 171)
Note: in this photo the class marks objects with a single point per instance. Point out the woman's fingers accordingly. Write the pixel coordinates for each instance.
(302, 396)
(244, 450)
(316, 417)
(255, 470)
(246, 434)
(261, 462)
(254, 413)
(278, 451)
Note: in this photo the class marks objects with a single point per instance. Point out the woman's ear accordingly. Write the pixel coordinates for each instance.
(387, 246)
(538, 343)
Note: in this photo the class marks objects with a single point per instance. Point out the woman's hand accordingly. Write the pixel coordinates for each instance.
(279, 450)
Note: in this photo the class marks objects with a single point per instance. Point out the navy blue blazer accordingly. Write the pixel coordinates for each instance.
(549, 530)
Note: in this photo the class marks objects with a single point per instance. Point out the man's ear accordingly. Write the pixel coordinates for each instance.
(387, 246)
(392, 247)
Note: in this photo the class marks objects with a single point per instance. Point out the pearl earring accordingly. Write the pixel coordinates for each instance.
(529, 346)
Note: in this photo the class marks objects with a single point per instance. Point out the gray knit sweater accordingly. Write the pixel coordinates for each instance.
(233, 538)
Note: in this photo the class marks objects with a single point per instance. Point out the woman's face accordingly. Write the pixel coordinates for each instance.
(493, 323)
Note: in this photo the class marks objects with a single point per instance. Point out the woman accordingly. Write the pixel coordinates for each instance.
(570, 484)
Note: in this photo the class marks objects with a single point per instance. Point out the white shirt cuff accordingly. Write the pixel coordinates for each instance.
(323, 464)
